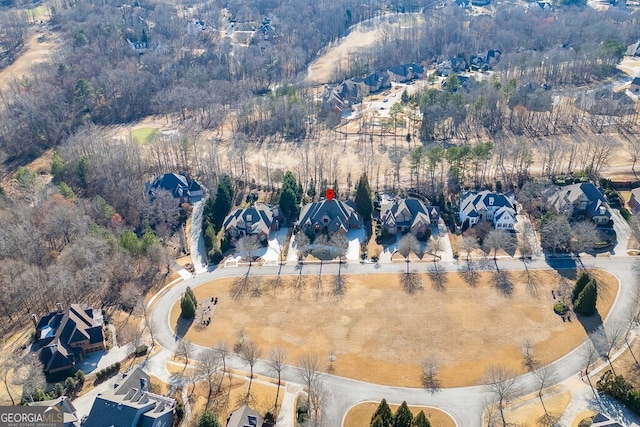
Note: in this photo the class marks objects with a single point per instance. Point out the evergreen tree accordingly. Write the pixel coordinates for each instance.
(363, 201)
(579, 286)
(384, 414)
(403, 416)
(586, 302)
(58, 167)
(208, 419)
(222, 203)
(187, 308)
(421, 420)
(188, 292)
(290, 196)
(82, 171)
(288, 204)
(377, 422)
(311, 191)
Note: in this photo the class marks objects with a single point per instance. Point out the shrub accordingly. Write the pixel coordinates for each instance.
(625, 214)
(187, 308)
(560, 307)
(141, 350)
(79, 376)
(586, 302)
(579, 286)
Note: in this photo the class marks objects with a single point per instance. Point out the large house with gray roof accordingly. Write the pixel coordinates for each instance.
(69, 413)
(581, 199)
(256, 220)
(476, 206)
(65, 335)
(332, 216)
(182, 189)
(408, 216)
(131, 404)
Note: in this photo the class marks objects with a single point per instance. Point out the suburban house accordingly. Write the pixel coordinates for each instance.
(581, 199)
(131, 404)
(633, 49)
(634, 201)
(452, 65)
(485, 60)
(330, 215)
(65, 335)
(245, 417)
(635, 86)
(340, 98)
(487, 205)
(408, 216)
(256, 220)
(69, 413)
(405, 72)
(375, 82)
(181, 188)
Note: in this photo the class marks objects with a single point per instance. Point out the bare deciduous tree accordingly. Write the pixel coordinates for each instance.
(407, 244)
(277, 360)
(184, 349)
(29, 374)
(498, 239)
(309, 371)
(208, 367)
(545, 376)
(502, 383)
(429, 379)
(529, 361)
(223, 352)
(250, 352)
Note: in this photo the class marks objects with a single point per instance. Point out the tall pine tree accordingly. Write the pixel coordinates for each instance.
(403, 416)
(363, 201)
(421, 420)
(383, 417)
(222, 203)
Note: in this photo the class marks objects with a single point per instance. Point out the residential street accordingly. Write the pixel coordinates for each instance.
(465, 404)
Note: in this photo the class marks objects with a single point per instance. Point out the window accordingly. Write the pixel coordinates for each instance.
(490, 201)
(249, 217)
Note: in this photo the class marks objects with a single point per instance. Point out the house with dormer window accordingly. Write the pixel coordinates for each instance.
(330, 216)
(256, 220)
(408, 216)
(476, 206)
(581, 199)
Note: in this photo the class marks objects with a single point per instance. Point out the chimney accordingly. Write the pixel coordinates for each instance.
(34, 319)
(59, 308)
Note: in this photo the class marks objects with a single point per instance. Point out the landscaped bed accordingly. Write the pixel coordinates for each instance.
(381, 334)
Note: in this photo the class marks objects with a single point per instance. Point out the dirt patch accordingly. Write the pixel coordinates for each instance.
(381, 334)
(360, 415)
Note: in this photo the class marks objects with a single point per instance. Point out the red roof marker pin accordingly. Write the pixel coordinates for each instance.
(330, 194)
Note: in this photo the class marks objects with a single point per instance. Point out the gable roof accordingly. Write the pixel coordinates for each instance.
(136, 408)
(68, 410)
(571, 194)
(178, 185)
(261, 219)
(405, 70)
(126, 381)
(473, 201)
(340, 214)
(59, 330)
(245, 417)
(416, 209)
(635, 81)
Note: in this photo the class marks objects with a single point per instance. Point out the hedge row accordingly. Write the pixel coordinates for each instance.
(108, 371)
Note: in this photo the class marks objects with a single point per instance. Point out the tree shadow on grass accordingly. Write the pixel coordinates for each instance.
(469, 273)
(182, 327)
(438, 277)
(502, 281)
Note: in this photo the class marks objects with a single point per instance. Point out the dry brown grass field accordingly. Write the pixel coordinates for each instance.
(381, 334)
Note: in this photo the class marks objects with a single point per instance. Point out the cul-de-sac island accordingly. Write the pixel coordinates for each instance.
(308, 213)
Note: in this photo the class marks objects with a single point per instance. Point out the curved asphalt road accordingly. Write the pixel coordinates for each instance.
(464, 404)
